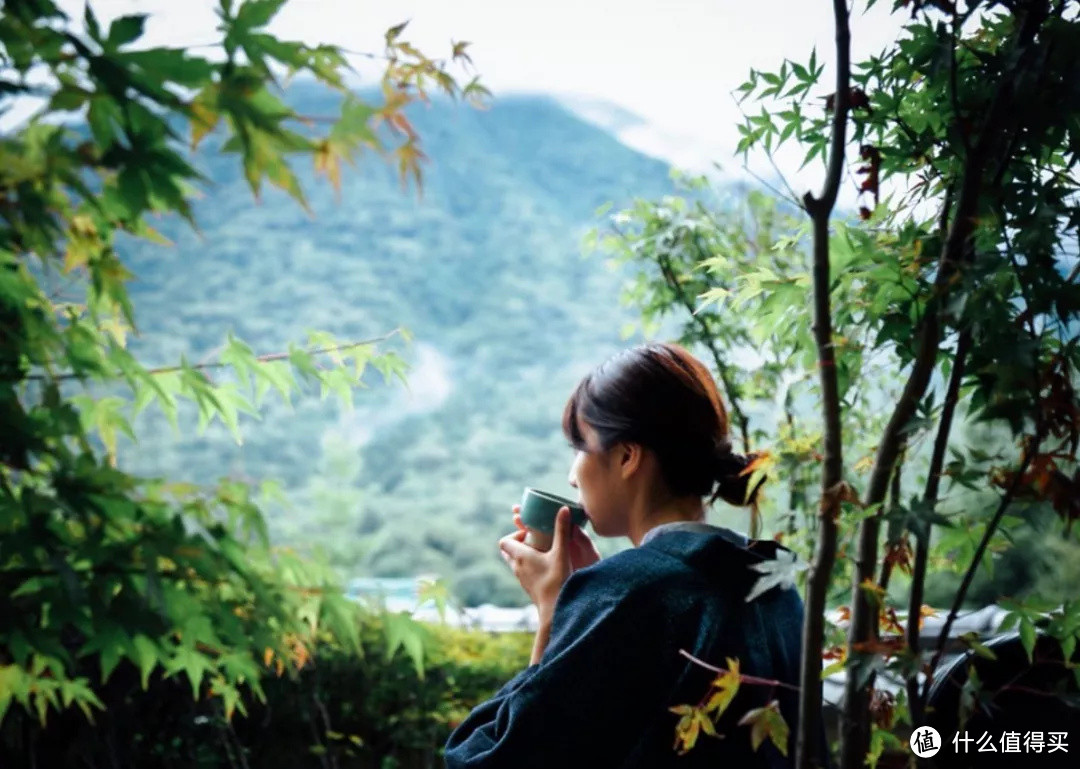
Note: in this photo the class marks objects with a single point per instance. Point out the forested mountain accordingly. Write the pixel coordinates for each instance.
(485, 269)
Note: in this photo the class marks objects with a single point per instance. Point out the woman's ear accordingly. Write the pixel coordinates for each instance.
(631, 456)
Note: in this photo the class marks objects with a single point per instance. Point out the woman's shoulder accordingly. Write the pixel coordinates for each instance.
(632, 572)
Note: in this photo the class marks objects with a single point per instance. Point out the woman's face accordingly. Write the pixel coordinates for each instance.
(595, 474)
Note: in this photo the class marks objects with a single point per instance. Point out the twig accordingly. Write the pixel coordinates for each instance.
(219, 364)
(743, 678)
(922, 536)
(969, 575)
(791, 194)
(768, 186)
(896, 526)
(722, 369)
(954, 94)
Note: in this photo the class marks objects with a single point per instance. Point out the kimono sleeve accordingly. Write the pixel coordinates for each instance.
(597, 682)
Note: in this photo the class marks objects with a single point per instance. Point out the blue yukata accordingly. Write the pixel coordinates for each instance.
(601, 693)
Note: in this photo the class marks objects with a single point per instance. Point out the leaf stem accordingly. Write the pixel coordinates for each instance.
(743, 678)
(274, 356)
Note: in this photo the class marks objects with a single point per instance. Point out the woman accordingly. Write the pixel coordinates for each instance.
(652, 444)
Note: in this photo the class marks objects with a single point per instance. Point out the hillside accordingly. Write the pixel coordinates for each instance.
(485, 269)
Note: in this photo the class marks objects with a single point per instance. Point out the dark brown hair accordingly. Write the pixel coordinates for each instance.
(663, 398)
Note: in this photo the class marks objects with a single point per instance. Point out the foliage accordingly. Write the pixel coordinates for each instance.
(348, 710)
(952, 295)
(101, 567)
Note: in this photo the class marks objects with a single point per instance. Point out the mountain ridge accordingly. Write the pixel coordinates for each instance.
(484, 268)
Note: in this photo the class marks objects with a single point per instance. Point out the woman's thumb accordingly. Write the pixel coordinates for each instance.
(562, 528)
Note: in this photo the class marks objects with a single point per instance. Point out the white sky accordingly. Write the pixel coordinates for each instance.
(674, 62)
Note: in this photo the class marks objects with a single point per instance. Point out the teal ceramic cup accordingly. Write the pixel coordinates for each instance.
(538, 511)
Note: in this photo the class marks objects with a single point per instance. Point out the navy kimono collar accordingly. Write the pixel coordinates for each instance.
(697, 527)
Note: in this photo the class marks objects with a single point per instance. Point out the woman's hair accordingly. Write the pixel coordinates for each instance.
(663, 398)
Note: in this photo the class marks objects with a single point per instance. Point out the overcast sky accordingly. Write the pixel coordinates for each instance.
(673, 62)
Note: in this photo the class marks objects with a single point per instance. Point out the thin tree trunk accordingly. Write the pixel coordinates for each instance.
(980, 551)
(922, 533)
(820, 209)
(895, 535)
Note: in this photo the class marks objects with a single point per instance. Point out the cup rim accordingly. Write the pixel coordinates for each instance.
(547, 495)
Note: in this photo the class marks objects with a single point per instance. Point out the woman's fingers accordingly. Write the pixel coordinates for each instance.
(513, 546)
(518, 522)
(582, 549)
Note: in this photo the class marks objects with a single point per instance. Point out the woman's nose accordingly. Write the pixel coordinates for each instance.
(572, 477)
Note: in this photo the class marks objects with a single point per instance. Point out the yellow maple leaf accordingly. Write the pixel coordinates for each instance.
(693, 721)
(725, 686)
(409, 157)
(328, 161)
(760, 463)
(687, 729)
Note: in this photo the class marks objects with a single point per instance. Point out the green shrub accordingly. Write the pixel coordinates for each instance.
(340, 709)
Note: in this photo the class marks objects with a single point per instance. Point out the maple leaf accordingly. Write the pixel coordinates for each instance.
(394, 33)
(399, 122)
(686, 730)
(834, 495)
(873, 591)
(767, 722)
(872, 169)
(762, 461)
(886, 646)
(899, 555)
(725, 686)
(776, 572)
(883, 708)
(889, 620)
(693, 721)
(328, 161)
(409, 158)
(459, 51)
(857, 99)
(838, 652)
(924, 612)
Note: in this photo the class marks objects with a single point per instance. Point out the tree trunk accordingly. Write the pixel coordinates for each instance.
(820, 209)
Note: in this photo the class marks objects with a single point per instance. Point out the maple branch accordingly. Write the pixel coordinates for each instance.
(896, 525)
(722, 369)
(743, 678)
(1029, 452)
(819, 210)
(954, 95)
(791, 195)
(219, 364)
(969, 575)
(922, 533)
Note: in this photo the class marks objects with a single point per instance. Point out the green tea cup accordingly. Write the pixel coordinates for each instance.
(538, 511)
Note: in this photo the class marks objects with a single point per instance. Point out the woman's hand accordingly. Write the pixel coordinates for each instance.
(582, 549)
(542, 574)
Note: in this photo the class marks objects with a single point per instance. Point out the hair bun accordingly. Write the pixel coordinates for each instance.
(732, 479)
